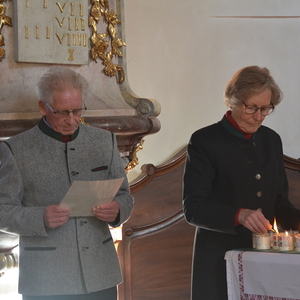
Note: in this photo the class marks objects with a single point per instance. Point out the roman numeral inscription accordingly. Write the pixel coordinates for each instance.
(58, 32)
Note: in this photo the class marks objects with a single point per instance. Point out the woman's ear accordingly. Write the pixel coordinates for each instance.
(42, 107)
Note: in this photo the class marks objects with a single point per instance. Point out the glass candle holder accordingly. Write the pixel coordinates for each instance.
(285, 242)
(253, 240)
(294, 233)
(297, 242)
(274, 240)
(263, 241)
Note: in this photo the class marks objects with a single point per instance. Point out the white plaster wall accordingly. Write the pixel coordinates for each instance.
(183, 52)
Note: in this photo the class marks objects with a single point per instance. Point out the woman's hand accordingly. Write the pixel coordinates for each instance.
(254, 220)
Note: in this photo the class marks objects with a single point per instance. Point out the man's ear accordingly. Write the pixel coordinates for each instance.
(42, 107)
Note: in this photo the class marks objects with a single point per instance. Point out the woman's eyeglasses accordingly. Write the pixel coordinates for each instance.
(252, 109)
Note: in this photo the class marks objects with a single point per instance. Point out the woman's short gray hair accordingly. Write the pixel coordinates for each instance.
(248, 82)
(60, 79)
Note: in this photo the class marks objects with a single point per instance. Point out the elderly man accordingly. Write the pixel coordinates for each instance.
(62, 257)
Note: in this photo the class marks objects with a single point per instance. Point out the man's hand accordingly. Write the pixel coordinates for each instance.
(107, 212)
(55, 216)
(254, 220)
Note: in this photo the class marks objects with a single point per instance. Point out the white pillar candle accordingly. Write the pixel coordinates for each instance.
(285, 242)
(253, 240)
(297, 242)
(274, 240)
(294, 233)
(263, 241)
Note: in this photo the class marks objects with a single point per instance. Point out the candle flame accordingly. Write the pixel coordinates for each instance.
(286, 233)
(275, 226)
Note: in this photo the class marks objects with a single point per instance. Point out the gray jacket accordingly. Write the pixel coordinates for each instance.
(36, 171)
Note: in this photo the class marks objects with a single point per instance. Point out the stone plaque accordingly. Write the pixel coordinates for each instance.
(48, 31)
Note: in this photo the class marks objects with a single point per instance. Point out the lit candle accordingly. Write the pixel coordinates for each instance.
(263, 241)
(285, 242)
(274, 236)
(274, 240)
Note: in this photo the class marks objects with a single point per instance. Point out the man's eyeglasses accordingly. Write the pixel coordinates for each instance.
(252, 109)
(65, 113)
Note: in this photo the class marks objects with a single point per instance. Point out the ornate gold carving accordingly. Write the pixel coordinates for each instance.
(99, 44)
(4, 20)
(134, 161)
(82, 121)
(99, 49)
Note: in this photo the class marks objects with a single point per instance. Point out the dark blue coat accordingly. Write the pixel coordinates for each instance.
(225, 172)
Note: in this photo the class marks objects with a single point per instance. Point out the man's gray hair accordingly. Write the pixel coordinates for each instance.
(60, 79)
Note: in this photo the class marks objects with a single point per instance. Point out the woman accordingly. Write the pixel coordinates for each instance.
(235, 181)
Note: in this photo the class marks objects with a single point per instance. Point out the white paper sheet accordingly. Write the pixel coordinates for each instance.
(84, 195)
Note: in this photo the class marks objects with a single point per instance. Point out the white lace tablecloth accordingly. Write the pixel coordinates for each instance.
(253, 275)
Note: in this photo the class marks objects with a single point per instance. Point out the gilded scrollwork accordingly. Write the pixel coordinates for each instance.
(104, 46)
(134, 161)
(99, 49)
(4, 20)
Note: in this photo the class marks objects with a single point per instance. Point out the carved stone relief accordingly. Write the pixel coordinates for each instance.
(51, 31)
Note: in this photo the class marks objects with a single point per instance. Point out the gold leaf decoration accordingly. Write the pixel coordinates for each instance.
(100, 46)
(4, 20)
